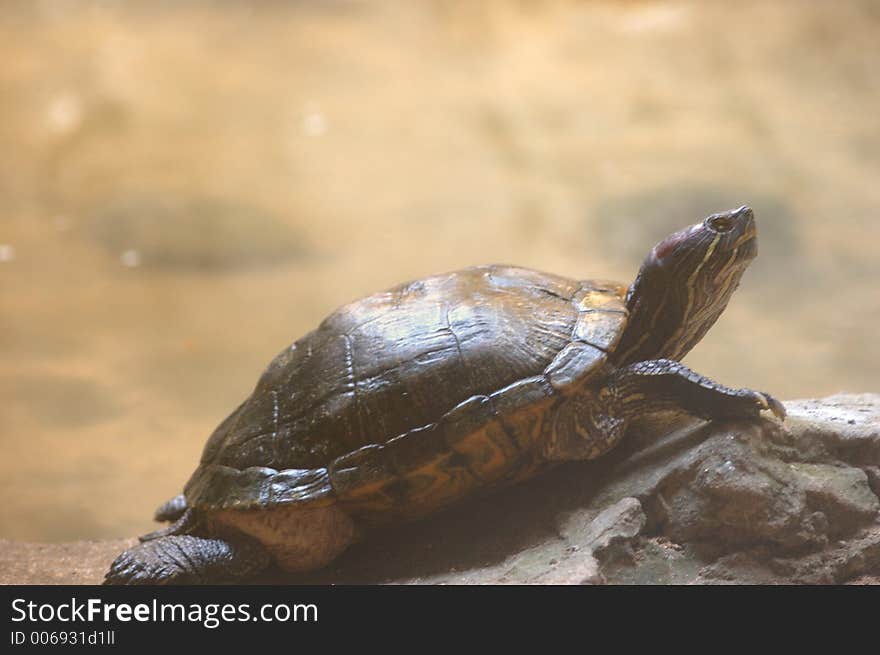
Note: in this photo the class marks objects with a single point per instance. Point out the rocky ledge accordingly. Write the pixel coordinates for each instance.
(679, 503)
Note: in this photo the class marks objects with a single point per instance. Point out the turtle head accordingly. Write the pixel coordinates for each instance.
(684, 285)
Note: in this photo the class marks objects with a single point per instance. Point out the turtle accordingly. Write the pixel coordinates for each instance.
(417, 397)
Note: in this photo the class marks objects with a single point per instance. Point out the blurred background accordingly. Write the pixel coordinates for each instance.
(188, 187)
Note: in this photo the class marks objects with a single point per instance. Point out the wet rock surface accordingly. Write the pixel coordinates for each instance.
(681, 503)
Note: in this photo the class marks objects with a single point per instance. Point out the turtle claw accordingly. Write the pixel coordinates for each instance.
(768, 402)
(126, 571)
(156, 534)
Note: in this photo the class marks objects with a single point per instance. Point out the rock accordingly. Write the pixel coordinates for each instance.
(680, 502)
(873, 473)
(614, 526)
(612, 530)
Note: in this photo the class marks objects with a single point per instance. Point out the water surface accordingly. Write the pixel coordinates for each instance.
(187, 188)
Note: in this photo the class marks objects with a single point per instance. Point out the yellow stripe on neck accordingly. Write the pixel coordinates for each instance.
(677, 335)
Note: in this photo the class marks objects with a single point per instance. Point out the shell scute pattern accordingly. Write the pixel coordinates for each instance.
(411, 398)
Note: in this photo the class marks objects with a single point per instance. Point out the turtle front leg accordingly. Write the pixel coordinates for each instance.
(662, 384)
(186, 559)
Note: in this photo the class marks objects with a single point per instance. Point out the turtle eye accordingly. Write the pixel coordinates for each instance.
(720, 223)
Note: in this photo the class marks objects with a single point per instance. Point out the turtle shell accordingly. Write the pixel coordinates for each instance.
(411, 398)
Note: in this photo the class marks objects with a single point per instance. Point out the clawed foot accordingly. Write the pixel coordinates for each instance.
(132, 568)
(184, 559)
(671, 384)
(767, 402)
(156, 562)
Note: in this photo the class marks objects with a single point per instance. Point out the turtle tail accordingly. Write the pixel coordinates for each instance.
(186, 524)
(171, 510)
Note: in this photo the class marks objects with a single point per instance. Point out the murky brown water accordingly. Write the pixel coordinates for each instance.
(186, 190)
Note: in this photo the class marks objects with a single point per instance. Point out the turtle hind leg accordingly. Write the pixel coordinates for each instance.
(171, 510)
(187, 559)
(661, 384)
